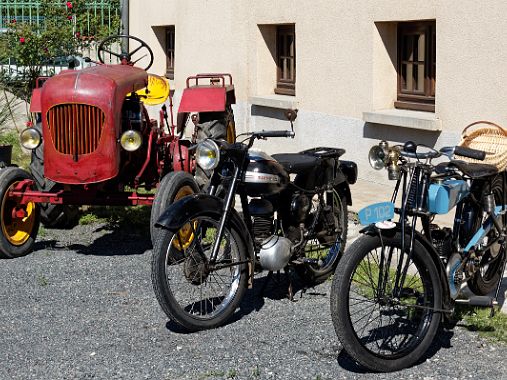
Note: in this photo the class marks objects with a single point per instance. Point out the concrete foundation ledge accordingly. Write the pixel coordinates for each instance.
(404, 118)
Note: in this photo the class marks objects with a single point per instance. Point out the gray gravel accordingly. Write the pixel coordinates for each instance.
(81, 307)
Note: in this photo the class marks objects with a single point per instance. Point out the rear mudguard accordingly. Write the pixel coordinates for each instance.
(192, 206)
(346, 175)
(447, 302)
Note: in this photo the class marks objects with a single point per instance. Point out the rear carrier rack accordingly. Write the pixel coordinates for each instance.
(324, 152)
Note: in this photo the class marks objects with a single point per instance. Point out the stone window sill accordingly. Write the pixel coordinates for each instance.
(274, 101)
(404, 118)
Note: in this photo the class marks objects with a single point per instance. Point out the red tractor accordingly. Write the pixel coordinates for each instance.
(96, 145)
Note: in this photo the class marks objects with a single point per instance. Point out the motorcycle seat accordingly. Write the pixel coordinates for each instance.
(472, 170)
(297, 163)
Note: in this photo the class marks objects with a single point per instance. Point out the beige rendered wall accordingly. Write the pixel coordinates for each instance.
(346, 52)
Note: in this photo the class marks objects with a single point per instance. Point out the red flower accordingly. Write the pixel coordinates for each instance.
(22, 40)
(29, 124)
(69, 5)
(13, 20)
(78, 34)
(69, 17)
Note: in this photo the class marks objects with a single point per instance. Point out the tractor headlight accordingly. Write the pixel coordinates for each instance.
(207, 155)
(131, 140)
(30, 138)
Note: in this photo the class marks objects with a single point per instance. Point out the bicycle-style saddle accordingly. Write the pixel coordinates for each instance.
(472, 170)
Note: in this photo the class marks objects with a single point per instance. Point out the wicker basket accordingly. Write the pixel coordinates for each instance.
(490, 138)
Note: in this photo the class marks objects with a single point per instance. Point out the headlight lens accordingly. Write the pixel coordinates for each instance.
(30, 138)
(207, 155)
(131, 140)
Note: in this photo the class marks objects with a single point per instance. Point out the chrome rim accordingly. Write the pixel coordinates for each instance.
(201, 289)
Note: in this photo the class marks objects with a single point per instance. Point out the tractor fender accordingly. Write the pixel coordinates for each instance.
(446, 299)
(192, 206)
(181, 158)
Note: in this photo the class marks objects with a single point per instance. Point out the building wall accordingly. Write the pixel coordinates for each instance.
(345, 58)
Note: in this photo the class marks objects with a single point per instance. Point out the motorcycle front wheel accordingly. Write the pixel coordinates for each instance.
(382, 326)
(193, 290)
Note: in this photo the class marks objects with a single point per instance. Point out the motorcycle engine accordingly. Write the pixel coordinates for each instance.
(275, 250)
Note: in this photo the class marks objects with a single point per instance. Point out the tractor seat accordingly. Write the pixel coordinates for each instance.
(472, 170)
(296, 163)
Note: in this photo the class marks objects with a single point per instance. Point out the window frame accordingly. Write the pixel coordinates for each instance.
(285, 86)
(170, 42)
(412, 99)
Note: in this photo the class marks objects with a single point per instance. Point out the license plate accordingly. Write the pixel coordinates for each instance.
(377, 212)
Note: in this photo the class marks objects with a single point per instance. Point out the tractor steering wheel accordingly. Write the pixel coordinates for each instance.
(125, 57)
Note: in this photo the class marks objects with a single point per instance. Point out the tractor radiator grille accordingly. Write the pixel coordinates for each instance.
(75, 128)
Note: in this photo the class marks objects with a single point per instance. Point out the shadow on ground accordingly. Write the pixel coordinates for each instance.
(118, 241)
(442, 341)
(275, 287)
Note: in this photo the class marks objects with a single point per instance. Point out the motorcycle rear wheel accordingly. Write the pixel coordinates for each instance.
(321, 259)
(192, 291)
(485, 280)
(381, 330)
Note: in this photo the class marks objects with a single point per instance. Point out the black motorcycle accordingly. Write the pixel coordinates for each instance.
(206, 256)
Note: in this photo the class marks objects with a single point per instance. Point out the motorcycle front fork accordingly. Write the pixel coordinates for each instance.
(225, 213)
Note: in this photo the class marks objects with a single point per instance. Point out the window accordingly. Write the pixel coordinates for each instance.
(286, 60)
(416, 65)
(169, 51)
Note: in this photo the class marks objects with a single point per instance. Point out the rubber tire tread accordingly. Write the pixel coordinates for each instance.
(340, 313)
(7, 250)
(166, 299)
(52, 215)
(169, 186)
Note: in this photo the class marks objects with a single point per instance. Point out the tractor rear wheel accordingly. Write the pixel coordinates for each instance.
(19, 223)
(52, 216)
(173, 187)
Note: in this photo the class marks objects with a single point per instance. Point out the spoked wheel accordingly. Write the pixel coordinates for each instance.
(172, 187)
(382, 326)
(323, 252)
(486, 278)
(193, 290)
(19, 222)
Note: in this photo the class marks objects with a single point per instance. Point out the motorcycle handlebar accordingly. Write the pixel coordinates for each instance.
(263, 134)
(470, 153)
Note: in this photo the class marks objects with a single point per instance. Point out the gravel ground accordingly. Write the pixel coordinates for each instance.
(82, 307)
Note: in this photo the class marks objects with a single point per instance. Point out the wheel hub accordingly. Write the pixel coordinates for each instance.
(196, 269)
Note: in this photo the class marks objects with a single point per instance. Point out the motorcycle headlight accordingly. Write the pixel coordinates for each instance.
(207, 155)
(131, 140)
(30, 138)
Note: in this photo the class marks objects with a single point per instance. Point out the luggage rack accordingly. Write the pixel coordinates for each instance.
(324, 152)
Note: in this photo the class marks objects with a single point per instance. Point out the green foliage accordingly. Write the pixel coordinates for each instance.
(480, 319)
(64, 29)
(134, 219)
(19, 156)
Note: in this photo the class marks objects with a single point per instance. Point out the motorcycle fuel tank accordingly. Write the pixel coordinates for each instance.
(264, 175)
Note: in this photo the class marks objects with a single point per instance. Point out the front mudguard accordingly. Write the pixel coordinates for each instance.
(447, 302)
(193, 206)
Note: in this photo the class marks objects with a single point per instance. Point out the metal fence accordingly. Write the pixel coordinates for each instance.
(30, 12)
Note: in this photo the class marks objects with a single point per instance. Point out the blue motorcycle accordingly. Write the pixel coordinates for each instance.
(402, 277)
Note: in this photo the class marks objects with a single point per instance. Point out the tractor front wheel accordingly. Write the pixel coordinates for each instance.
(19, 222)
(172, 187)
(52, 215)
